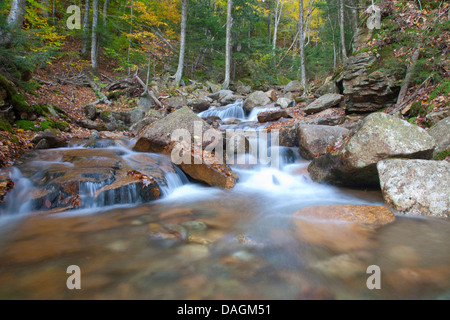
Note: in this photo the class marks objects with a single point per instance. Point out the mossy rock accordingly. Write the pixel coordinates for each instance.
(27, 125)
(442, 155)
(16, 99)
(5, 126)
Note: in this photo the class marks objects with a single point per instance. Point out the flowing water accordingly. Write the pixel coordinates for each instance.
(199, 242)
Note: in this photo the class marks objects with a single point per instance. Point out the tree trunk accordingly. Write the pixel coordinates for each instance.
(129, 42)
(226, 83)
(342, 27)
(355, 15)
(409, 73)
(85, 27)
(45, 8)
(105, 12)
(302, 44)
(94, 44)
(278, 13)
(179, 73)
(16, 14)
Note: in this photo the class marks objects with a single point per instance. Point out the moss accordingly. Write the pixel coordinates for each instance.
(5, 126)
(442, 155)
(282, 80)
(27, 125)
(50, 124)
(17, 99)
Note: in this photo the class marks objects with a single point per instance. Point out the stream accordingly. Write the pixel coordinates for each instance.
(199, 242)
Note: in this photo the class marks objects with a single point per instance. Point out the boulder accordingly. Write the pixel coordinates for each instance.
(121, 120)
(199, 165)
(272, 115)
(293, 86)
(213, 87)
(49, 139)
(435, 117)
(203, 166)
(156, 137)
(90, 111)
(416, 187)
(284, 103)
(200, 106)
(380, 137)
(92, 125)
(314, 139)
(149, 118)
(324, 102)
(176, 102)
(272, 94)
(328, 87)
(256, 99)
(221, 94)
(213, 121)
(145, 103)
(340, 228)
(441, 134)
(243, 89)
(228, 99)
(288, 135)
(367, 91)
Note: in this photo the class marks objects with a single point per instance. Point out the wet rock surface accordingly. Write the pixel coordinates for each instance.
(380, 137)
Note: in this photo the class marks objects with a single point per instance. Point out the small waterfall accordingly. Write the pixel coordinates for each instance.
(92, 195)
(253, 116)
(174, 181)
(231, 111)
(18, 201)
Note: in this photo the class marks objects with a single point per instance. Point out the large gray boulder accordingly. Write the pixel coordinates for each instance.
(441, 134)
(156, 137)
(293, 86)
(176, 102)
(380, 137)
(416, 187)
(256, 99)
(314, 139)
(327, 101)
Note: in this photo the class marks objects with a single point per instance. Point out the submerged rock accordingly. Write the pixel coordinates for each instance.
(416, 187)
(340, 228)
(380, 137)
(81, 178)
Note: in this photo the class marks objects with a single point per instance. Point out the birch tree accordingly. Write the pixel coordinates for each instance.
(226, 83)
(105, 12)
(278, 13)
(179, 73)
(16, 14)
(85, 27)
(342, 27)
(94, 43)
(302, 44)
